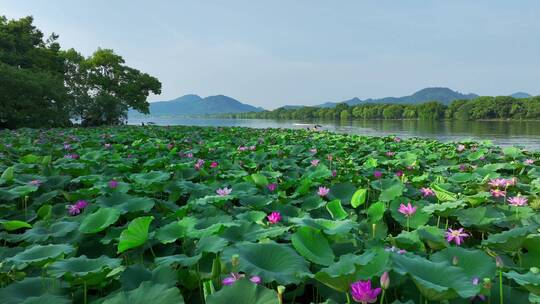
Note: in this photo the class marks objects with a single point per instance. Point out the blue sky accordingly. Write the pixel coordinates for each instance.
(271, 53)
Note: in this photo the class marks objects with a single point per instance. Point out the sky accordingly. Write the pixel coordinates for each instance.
(272, 53)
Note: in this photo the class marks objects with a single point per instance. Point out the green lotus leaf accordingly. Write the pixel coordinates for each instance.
(336, 210)
(427, 276)
(126, 203)
(15, 225)
(509, 240)
(243, 292)
(529, 280)
(81, 267)
(313, 245)
(478, 216)
(21, 191)
(148, 293)
(99, 220)
(259, 179)
(391, 189)
(32, 290)
(359, 198)
(150, 178)
(270, 261)
(474, 263)
(344, 192)
(38, 254)
(442, 194)
(327, 226)
(136, 234)
(433, 236)
(42, 231)
(180, 259)
(351, 268)
(211, 243)
(248, 231)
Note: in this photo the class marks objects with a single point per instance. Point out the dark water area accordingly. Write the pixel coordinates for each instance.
(524, 134)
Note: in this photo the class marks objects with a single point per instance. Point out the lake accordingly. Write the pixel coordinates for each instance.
(504, 133)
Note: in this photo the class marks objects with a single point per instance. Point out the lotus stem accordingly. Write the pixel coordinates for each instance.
(501, 300)
(382, 296)
(85, 292)
(348, 298)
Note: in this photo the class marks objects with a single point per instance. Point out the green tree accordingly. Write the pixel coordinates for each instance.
(105, 88)
(32, 91)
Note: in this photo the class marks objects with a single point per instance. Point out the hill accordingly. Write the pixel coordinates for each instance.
(196, 105)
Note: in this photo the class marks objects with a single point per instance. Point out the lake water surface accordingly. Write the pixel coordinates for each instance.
(504, 133)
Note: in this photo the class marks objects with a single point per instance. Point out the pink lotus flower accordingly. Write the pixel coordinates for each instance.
(242, 148)
(462, 167)
(460, 148)
(497, 193)
(35, 182)
(81, 204)
(224, 191)
(329, 157)
(272, 186)
(385, 280)
(457, 236)
(72, 156)
(395, 249)
(397, 139)
(407, 210)
(517, 201)
(113, 184)
(313, 150)
(214, 165)
(377, 174)
(399, 173)
(315, 162)
(76, 208)
(253, 148)
(67, 147)
(529, 161)
(73, 210)
(323, 191)
(362, 292)
(427, 192)
(170, 146)
(199, 164)
(334, 173)
(237, 276)
(189, 155)
(274, 217)
(390, 153)
(107, 146)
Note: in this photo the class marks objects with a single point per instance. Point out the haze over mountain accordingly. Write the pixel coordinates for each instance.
(440, 94)
(195, 105)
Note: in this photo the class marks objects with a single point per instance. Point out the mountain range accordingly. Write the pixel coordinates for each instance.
(195, 105)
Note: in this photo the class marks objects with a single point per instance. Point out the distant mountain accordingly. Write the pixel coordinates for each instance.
(196, 105)
(443, 95)
(521, 95)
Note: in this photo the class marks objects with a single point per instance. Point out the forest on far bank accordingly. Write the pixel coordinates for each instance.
(481, 108)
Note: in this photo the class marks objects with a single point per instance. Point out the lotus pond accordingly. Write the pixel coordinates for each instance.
(260, 216)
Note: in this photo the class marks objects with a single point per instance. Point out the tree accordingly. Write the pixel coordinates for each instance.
(104, 88)
(32, 91)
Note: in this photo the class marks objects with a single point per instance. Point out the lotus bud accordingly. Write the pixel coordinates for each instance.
(487, 283)
(499, 262)
(281, 289)
(455, 261)
(535, 270)
(235, 261)
(385, 280)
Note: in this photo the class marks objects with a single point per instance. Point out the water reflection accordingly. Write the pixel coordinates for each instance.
(504, 133)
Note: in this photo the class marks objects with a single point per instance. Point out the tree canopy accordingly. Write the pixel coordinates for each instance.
(42, 85)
